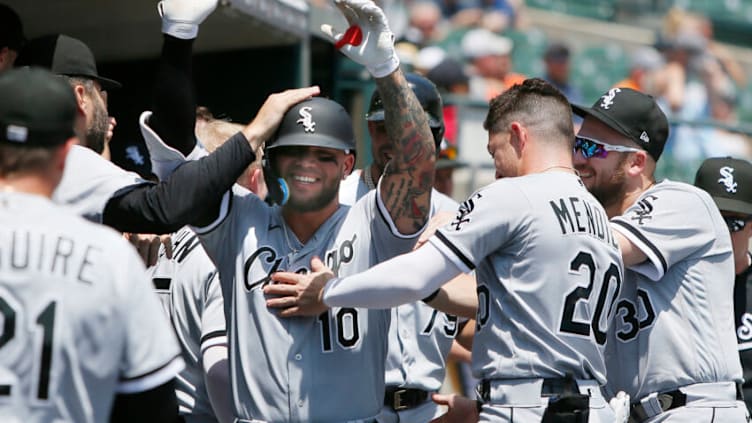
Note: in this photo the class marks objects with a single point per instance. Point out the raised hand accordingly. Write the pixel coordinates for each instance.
(271, 113)
(368, 40)
(438, 220)
(181, 18)
(299, 294)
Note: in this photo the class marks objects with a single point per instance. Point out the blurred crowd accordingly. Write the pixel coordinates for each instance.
(468, 48)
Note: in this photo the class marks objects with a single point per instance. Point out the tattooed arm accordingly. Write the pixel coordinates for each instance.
(408, 177)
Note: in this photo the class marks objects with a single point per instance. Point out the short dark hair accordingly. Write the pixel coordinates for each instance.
(20, 159)
(537, 104)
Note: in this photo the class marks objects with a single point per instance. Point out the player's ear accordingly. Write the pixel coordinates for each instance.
(81, 99)
(637, 162)
(348, 165)
(518, 137)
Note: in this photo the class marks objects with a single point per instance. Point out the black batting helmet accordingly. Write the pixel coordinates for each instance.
(316, 122)
(429, 98)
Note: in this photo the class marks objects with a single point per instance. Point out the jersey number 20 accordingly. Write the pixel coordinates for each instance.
(46, 321)
(582, 294)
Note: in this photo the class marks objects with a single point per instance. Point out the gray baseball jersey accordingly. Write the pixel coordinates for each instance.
(548, 272)
(89, 181)
(191, 296)
(674, 319)
(81, 322)
(419, 336)
(327, 368)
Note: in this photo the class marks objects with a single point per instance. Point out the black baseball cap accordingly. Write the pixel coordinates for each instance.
(729, 182)
(63, 55)
(556, 52)
(37, 108)
(633, 114)
(11, 29)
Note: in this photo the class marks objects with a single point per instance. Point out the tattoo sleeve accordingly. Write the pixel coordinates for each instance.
(408, 179)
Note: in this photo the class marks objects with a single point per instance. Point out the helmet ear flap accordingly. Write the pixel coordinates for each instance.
(279, 193)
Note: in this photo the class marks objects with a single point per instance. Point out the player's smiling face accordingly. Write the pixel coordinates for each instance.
(604, 177)
(313, 174)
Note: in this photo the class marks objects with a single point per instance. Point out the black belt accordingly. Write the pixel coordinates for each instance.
(668, 401)
(551, 387)
(404, 398)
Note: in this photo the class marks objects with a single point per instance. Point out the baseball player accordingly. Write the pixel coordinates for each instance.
(83, 338)
(672, 349)
(301, 369)
(728, 181)
(100, 191)
(191, 294)
(419, 336)
(548, 269)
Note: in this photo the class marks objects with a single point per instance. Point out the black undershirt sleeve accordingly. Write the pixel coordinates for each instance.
(191, 195)
(174, 105)
(155, 405)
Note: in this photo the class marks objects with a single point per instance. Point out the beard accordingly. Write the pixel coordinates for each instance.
(96, 133)
(326, 196)
(612, 191)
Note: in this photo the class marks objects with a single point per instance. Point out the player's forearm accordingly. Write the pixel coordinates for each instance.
(457, 297)
(191, 195)
(401, 280)
(408, 178)
(174, 107)
(217, 379)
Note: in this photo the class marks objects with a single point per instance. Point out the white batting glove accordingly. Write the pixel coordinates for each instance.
(181, 18)
(368, 41)
(620, 405)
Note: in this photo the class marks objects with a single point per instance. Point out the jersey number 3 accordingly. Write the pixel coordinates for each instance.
(46, 321)
(583, 294)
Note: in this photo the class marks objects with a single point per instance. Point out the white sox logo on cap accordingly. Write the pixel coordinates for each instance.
(306, 119)
(608, 99)
(727, 178)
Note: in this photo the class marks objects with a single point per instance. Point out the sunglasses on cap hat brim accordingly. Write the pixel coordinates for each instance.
(590, 148)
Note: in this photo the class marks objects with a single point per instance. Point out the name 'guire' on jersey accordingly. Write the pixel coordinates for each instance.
(24, 249)
(578, 215)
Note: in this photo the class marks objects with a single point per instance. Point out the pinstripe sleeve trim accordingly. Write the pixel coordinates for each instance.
(151, 379)
(446, 244)
(644, 244)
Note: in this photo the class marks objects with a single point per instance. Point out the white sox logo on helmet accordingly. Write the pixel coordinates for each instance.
(608, 99)
(306, 119)
(727, 179)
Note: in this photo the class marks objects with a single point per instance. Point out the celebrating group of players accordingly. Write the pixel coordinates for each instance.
(328, 294)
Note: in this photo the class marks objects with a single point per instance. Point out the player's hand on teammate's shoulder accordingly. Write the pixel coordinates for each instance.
(272, 111)
(147, 246)
(438, 220)
(461, 409)
(297, 294)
